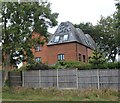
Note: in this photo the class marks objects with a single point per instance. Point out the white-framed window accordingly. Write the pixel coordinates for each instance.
(60, 56)
(38, 59)
(57, 38)
(37, 47)
(65, 37)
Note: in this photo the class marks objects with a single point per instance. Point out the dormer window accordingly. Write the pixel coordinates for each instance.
(57, 38)
(65, 37)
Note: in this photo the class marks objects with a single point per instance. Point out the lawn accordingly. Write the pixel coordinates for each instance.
(52, 94)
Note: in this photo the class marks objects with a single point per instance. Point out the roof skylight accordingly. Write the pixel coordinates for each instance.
(65, 37)
(57, 38)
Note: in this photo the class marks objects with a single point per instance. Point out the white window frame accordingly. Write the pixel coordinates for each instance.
(61, 57)
(57, 38)
(65, 37)
(37, 59)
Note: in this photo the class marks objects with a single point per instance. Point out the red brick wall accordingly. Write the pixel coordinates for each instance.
(90, 52)
(71, 50)
(83, 51)
(42, 53)
(44, 50)
(68, 49)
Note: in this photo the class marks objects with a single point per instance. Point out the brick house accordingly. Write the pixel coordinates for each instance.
(67, 44)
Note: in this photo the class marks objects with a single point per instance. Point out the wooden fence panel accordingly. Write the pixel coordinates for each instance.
(48, 78)
(15, 78)
(67, 78)
(31, 78)
(109, 78)
(87, 79)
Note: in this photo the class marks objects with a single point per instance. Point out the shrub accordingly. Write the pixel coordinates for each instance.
(115, 65)
(70, 65)
(35, 66)
(80, 65)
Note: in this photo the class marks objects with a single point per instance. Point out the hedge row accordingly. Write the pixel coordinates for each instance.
(79, 65)
(70, 65)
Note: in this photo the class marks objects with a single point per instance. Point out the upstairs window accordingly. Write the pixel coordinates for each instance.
(37, 48)
(38, 59)
(83, 58)
(65, 37)
(61, 57)
(79, 57)
(57, 38)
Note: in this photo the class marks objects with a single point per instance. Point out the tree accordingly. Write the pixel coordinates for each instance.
(19, 19)
(117, 24)
(106, 37)
(97, 59)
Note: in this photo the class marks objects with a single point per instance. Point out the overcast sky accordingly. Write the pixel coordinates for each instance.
(77, 11)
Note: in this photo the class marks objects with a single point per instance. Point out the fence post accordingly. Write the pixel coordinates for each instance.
(77, 77)
(39, 78)
(98, 79)
(23, 79)
(57, 80)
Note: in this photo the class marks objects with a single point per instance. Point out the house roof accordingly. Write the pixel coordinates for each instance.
(66, 32)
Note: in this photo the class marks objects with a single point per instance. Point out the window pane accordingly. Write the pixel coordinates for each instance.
(57, 38)
(38, 59)
(65, 37)
(58, 57)
(61, 57)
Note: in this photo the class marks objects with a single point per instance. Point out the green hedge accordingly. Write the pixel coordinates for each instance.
(69, 65)
(35, 66)
(80, 65)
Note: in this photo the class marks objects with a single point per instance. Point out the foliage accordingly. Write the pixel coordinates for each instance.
(85, 66)
(35, 66)
(115, 65)
(71, 65)
(18, 22)
(65, 64)
(117, 25)
(97, 59)
(87, 28)
(106, 33)
(107, 37)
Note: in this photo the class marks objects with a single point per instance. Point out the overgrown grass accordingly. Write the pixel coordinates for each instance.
(52, 94)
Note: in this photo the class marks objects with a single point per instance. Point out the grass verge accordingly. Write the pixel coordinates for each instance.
(52, 94)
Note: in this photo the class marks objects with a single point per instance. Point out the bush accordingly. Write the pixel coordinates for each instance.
(65, 65)
(35, 66)
(115, 65)
(70, 65)
(80, 65)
